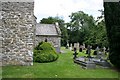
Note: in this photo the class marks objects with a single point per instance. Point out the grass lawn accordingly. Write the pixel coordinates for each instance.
(64, 67)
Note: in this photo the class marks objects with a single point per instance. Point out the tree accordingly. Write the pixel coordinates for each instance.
(79, 30)
(49, 20)
(112, 20)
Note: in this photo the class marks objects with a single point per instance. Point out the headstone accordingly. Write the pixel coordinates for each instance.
(101, 54)
(96, 51)
(75, 53)
(88, 50)
(84, 46)
(85, 63)
(70, 47)
(102, 63)
(104, 50)
(67, 46)
(76, 45)
(81, 48)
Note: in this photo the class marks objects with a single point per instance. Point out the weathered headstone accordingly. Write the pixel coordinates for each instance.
(99, 55)
(70, 47)
(67, 46)
(88, 50)
(76, 45)
(75, 53)
(81, 48)
(85, 63)
(84, 46)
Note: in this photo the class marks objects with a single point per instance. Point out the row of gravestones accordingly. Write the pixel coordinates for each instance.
(91, 62)
(99, 59)
(77, 46)
(99, 52)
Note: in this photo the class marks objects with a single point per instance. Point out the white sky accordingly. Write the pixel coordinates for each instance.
(64, 8)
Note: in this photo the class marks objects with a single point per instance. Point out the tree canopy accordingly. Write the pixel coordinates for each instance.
(83, 28)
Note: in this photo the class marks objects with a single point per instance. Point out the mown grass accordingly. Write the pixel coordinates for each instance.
(64, 67)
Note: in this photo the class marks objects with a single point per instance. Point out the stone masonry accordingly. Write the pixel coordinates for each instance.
(0, 34)
(17, 32)
(54, 40)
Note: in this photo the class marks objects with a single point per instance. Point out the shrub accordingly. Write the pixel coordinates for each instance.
(112, 20)
(44, 52)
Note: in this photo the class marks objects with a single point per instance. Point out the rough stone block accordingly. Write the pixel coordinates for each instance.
(16, 16)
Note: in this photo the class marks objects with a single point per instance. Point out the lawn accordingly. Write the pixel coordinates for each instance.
(64, 67)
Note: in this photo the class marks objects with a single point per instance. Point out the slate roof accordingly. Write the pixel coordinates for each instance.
(47, 29)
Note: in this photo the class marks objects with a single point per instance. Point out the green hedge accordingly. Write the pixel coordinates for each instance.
(112, 20)
(44, 52)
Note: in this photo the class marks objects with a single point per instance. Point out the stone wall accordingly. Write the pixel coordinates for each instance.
(17, 32)
(0, 33)
(54, 40)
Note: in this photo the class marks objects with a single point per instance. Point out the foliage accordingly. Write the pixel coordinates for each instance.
(49, 20)
(44, 52)
(84, 29)
(79, 30)
(112, 20)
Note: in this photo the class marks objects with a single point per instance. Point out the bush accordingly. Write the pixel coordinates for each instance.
(45, 52)
(112, 20)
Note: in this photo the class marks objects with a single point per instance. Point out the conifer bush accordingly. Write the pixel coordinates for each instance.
(112, 20)
(44, 52)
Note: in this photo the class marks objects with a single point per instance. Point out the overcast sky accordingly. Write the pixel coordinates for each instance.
(63, 8)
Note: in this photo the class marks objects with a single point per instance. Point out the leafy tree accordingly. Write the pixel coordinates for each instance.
(49, 20)
(112, 20)
(79, 30)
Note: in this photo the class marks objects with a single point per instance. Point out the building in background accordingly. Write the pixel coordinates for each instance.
(49, 32)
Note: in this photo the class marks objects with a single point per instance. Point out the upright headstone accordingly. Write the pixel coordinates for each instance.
(75, 53)
(67, 46)
(76, 45)
(81, 48)
(84, 46)
(70, 47)
(89, 50)
(96, 50)
(104, 50)
(18, 32)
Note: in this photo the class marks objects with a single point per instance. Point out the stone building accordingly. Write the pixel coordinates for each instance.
(51, 32)
(17, 32)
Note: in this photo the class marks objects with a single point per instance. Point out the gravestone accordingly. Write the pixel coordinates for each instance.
(101, 54)
(67, 46)
(81, 48)
(102, 63)
(70, 47)
(88, 51)
(76, 45)
(75, 53)
(96, 51)
(85, 63)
